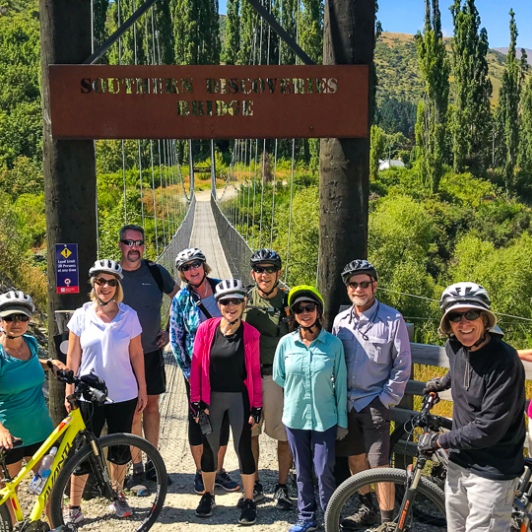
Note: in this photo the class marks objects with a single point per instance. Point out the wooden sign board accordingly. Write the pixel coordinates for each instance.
(208, 101)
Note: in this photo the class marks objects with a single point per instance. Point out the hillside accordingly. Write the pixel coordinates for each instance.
(398, 72)
(528, 51)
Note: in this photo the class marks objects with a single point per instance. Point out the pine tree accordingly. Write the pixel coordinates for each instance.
(471, 126)
(432, 115)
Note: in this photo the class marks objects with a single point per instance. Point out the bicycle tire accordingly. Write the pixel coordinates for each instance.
(5, 518)
(344, 500)
(144, 510)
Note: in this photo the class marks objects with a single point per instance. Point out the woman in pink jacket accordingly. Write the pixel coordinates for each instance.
(225, 378)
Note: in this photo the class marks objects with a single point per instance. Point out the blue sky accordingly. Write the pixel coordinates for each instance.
(407, 16)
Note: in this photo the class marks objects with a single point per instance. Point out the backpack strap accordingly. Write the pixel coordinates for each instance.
(155, 273)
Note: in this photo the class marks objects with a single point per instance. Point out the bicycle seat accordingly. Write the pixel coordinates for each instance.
(17, 442)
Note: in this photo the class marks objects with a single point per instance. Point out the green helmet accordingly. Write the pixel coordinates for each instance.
(305, 292)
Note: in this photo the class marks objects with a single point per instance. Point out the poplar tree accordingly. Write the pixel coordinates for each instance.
(311, 29)
(196, 32)
(471, 125)
(432, 112)
(524, 159)
(232, 33)
(507, 118)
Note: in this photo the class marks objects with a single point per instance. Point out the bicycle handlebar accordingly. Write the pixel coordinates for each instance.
(81, 386)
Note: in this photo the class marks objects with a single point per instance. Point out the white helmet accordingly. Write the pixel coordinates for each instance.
(465, 295)
(16, 302)
(106, 266)
(230, 288)
(187, 255)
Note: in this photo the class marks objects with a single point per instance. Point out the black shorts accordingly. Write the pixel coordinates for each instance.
(155, 374)
(17, 454)
(369, 433)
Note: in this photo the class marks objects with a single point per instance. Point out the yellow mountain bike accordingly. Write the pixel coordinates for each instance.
(84, 462)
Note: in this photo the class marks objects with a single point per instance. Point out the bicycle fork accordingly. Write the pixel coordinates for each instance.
(412, 483)
(99, 469)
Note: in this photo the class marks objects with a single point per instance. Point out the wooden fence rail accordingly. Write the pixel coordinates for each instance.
(429, 355)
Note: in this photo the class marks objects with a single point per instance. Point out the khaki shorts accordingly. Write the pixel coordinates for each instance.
(272, 411)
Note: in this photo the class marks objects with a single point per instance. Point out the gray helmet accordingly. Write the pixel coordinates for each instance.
(106, 266)
(16, 302)
(266, 256)
(187, 255)
(358, 266)
(230, 288)
(465, 295)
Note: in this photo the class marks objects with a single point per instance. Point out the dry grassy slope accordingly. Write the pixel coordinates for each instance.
(398, 71)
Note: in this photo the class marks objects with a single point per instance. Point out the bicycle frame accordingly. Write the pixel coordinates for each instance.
(68, 429)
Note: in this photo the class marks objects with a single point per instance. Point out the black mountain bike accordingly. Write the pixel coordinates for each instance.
(421, 508)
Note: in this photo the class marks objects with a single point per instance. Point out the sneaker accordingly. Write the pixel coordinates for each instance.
(199, 488)
(73, 516)
(223, 480)
(205, 505)
(120, 507)
(152, 475)
(136, 483)
(363, 517)
(281, 496)
(303, 526)
(249, 513)
(258, 495)
(385, 527)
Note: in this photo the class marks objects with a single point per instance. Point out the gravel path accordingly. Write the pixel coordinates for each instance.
(181, 501)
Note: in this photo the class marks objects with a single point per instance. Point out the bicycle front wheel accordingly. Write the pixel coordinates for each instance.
(104, 486)
(345, 502)
(5, 518)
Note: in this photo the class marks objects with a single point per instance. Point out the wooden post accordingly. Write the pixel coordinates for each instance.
(348, 38)
(69, 167)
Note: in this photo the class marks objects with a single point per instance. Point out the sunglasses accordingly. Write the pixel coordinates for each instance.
(469, 315)
(192, 266)
(232, 301)
(264, 269)
(130, 243)
(363, 284)
(305, 308)
(17, 317)
(100, 281)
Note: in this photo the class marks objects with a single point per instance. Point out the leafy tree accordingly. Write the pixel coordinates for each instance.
(507, 118)
(196, 32)
(232, 33)
(524, 159)
(472, 89)
(311, 29)
(432, 115)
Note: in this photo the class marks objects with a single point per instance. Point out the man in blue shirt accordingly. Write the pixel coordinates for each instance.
(377, 352)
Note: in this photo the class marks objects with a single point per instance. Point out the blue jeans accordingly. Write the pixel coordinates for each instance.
(312, 448)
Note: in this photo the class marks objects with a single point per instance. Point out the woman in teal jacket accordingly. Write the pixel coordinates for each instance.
(310, 365)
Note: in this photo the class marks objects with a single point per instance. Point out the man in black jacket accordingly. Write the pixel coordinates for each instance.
(487, 381)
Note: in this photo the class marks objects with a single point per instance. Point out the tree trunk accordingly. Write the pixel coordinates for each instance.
(69, 167)
(349, 34)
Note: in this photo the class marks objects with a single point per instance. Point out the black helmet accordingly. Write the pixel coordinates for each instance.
(465, 295)
(266, 256)
(358, 266)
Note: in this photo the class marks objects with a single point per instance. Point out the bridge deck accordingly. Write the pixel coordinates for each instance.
(181, 501)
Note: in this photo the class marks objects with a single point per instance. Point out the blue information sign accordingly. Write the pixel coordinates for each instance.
(67, 268)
